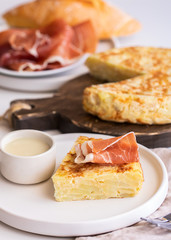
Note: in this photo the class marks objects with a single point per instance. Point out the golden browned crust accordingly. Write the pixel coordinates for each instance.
(75, 170)
(143, 97)
(122, 63)
(107, 20)
(144, 100)
(74, 181)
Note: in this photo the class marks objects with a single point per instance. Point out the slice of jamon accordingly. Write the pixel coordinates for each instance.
(84, 39)
(38, 47)
(4, 40)
(53, 46)
(30, 41)
(117, 150)
(15, 59)
(61, 35)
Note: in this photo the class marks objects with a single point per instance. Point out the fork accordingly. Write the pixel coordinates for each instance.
(163, 222)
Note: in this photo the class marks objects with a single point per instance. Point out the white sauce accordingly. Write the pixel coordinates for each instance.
(26, 147)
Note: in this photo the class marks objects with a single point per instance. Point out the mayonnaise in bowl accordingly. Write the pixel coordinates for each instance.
(27, 156)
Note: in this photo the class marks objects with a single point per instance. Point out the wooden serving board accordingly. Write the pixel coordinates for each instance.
(64, 111)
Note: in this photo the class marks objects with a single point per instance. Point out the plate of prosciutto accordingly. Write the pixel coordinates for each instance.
(52, 78)
(53, 49)
(33, 208)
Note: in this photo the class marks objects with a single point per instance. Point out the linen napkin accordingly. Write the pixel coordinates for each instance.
(144, 230)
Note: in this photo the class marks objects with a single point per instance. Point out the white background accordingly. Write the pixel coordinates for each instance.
(155, 16)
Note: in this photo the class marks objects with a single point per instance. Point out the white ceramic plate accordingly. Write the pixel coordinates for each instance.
(49, 80)
(41, 84)
(33, 208)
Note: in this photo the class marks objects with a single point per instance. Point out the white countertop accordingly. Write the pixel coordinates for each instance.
(155, 18)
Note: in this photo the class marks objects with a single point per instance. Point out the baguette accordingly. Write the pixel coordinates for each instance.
(107, 20)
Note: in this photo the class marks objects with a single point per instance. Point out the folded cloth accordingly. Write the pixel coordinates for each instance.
(144, 230)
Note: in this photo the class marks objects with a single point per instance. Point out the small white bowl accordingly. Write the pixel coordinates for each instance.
(28, 169)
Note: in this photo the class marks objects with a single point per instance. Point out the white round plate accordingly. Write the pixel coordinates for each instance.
(41, 84)
(33, 208)
(45, 73)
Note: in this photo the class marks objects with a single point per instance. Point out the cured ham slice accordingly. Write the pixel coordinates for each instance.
(53, 46)
(117, 150)
(83, 41)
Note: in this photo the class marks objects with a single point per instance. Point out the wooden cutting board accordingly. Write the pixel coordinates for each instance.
(64, 111)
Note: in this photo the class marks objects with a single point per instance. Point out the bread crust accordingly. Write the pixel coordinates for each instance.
(41, 12)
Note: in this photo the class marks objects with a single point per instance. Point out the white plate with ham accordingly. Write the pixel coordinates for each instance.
(41, 60)
(33, 208)
(52, 82)
(53, 49)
